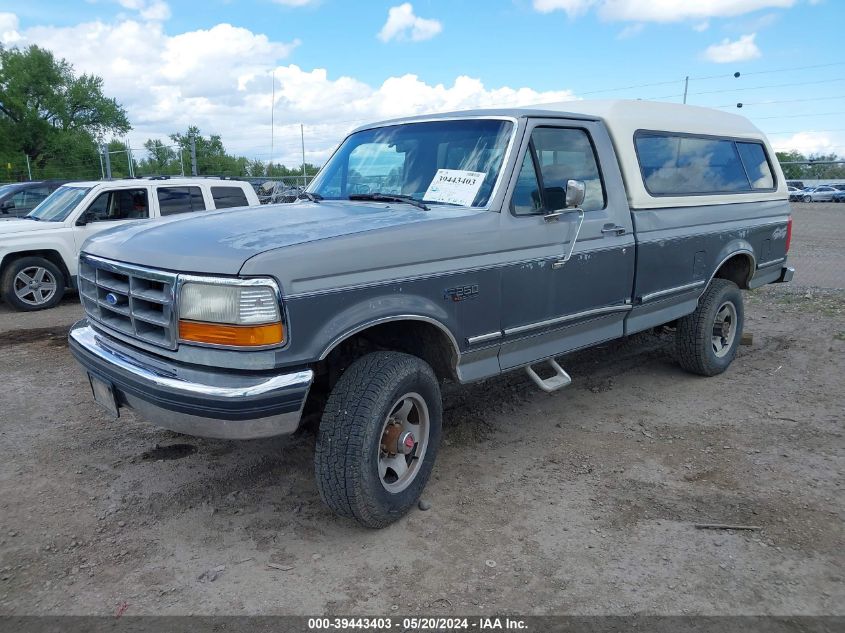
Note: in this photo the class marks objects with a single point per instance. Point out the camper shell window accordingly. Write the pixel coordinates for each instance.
(675, 164)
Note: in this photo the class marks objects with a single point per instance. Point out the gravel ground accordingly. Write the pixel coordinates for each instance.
(578, 502)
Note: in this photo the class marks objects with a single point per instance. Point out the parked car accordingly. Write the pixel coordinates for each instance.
(18, 199)
(839, 186)
(795, 194)
(839, 196)
(39, 252)
(822, 193)
(455, 246)
(798, 184)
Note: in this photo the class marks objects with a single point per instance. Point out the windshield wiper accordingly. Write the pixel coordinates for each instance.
(389, 197)
(32, 217)
(307, 195)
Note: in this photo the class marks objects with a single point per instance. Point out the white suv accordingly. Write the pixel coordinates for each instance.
(39, 252)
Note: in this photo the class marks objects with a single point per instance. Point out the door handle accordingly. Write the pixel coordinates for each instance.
(613, 229)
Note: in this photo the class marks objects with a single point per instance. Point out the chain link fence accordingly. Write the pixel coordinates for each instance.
(119, 160)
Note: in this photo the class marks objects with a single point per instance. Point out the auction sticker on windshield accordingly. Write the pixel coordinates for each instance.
(454, 186)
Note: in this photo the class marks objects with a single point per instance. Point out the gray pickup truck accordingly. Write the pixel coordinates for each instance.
(448, 247)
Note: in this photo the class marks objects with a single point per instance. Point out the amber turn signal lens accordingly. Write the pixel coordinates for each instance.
(234, 335)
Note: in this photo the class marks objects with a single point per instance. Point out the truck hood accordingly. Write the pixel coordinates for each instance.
(219, 242)
(8, 226)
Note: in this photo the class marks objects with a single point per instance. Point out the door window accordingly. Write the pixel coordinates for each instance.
(124, 204)
(28, 199)
(179, 200)
(526, 197)
(560, 155)
(226, 197)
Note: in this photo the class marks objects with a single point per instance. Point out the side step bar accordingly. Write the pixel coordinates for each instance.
(560, 380)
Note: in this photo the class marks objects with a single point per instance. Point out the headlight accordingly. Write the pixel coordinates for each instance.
(236, 314)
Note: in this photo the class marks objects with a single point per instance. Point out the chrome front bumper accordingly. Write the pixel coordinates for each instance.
(201, 402)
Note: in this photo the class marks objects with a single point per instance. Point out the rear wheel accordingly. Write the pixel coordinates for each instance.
(32, 283)
(378, 438)
(706, 341)
(808, 198)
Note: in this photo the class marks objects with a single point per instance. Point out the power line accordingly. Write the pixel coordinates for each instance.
(708, 77)
(734, 105)
(778, 70)
(787, 85)
(840, 129)
(797, 116)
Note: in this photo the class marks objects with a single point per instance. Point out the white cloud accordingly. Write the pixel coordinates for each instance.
(701, 26)
(572, 8)
(660, 10)
(402, 24)
(727, 51)
(632, 30)
(806, 143)
(156, 11)
(220, 80)
(9, 28)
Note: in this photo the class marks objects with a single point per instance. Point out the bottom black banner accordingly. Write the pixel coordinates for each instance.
(423, 624)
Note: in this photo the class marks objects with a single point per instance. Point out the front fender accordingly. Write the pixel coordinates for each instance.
(23, 245)
(318, 323)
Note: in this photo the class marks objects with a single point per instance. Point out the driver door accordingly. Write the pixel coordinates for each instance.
(552, 303)
(112, 208)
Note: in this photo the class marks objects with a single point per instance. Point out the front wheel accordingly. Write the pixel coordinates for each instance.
(808, 198)
(32, 283)
(706, 341)
(378, 438)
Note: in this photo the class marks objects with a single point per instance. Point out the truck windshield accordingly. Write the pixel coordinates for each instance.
(59, 204)
(438, 162)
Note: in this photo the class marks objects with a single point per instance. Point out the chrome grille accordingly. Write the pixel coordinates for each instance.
(132, 300)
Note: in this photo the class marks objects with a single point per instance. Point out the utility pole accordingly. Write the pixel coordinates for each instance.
(181, 162)
(102, 172)
(129, 159)
(28, 168)
(272, 122)
(302, 136)
(108, 161)
(193, 156)
(686, 86)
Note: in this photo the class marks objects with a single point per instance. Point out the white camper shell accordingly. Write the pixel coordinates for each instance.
(626, 119)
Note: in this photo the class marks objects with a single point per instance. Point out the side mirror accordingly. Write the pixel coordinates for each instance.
(576, 191)
(84, 219)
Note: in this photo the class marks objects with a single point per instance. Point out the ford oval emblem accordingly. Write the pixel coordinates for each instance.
(111, 299)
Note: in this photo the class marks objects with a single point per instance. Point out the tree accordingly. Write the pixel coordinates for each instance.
(813, 167)
(119, 159)
(824, 167)
(46, 110)
(161, 159)
(792, 172)
(211, 155)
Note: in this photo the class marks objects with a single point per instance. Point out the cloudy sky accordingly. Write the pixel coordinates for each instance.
(339, 63)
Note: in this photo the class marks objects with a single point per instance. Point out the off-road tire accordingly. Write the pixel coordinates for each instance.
(7, 288)
(693, 336)
(348, 441)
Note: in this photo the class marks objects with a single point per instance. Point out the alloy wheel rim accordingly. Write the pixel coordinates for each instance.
(404, 441)
(724, 329)
(35, 285)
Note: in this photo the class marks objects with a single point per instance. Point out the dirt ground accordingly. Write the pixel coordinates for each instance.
(579, 502)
